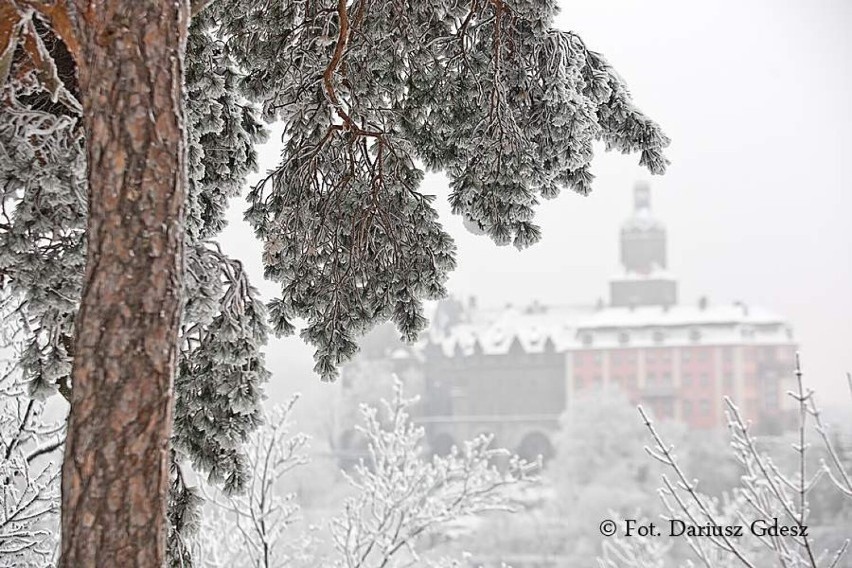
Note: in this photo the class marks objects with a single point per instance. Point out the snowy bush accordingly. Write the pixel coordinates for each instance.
(402, 496)
(399, 498)
(29, 478)
(248, 528)
(765, 492)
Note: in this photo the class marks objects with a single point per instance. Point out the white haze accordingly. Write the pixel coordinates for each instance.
(757, 98)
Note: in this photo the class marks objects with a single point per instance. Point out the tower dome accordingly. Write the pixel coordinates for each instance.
(644, 280)
(643, 237)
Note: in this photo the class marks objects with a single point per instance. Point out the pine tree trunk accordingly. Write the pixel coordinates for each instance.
(115, 474)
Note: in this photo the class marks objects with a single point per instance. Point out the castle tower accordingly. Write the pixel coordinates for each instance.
(643, 258)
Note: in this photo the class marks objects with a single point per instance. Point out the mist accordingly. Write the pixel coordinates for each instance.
(757, 202)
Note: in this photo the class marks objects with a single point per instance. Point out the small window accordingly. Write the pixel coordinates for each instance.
(695, 335)
(659, 337)
(687, 408)
(623, 338)
(705, 407)
(588, 340)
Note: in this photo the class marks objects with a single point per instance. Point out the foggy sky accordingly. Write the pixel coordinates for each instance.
(757, 98)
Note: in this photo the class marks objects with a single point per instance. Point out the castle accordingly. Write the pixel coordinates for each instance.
(513, 372)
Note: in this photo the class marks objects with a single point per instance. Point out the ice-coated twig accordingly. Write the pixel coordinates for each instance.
(402, 495)
(663, 453)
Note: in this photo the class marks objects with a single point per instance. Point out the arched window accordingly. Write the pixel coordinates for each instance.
(536, 444)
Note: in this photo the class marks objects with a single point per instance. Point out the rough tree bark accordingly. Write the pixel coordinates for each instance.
(115, 474)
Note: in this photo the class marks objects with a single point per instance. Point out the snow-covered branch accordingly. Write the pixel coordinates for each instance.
(29, 479)
(766, 493)
(401, 495)
(250, 525)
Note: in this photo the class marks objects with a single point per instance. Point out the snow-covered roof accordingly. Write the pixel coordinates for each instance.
(680, 315)
(656, 274)
(495, 331)
(568, 328)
